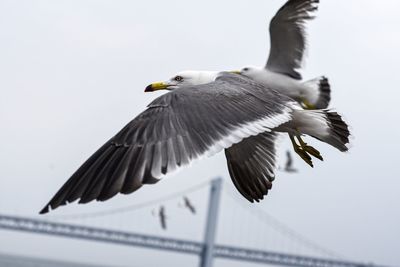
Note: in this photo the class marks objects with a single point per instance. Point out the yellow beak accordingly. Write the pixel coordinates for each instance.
(156, 86)
(236, 71)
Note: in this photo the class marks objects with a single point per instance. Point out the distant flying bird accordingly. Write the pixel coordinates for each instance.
(162, 217)
(289, 163)
(204, 113)
(288, 44)
(188, 204)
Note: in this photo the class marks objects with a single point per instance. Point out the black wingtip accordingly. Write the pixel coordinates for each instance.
(44, 210)
(339, 130)
(324, 98)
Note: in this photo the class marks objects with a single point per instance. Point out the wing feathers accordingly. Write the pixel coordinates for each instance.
(251, 165)
(288, 37)
(176, 129)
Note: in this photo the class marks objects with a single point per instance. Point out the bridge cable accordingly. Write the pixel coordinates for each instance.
(130, 207)
(282, 227)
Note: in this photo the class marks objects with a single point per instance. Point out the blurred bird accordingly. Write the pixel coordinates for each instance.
(162, 217)
(289, 163)
(188, 204)
(204, 113)
(288, 44)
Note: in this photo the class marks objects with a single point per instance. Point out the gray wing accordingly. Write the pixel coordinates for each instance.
(251, 165)
(177, 128)
(288, 37)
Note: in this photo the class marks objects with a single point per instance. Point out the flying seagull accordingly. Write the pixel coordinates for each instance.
(288, 44)
(162, 217)
(204, 113)
(289, 163)
(188, 204)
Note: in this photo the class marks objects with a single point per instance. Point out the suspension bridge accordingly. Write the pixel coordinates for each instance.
(207, 249)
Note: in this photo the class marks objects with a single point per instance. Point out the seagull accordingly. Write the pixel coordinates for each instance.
(162, 217)
(203, 113)
(288, 44)
(188, 204)
(289, 163)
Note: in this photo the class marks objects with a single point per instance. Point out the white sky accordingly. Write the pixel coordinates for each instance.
(72, 73)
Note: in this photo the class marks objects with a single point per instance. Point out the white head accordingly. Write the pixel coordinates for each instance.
(184, 78)
(251, 71)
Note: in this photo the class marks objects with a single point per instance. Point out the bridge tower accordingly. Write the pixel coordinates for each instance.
(207, 254)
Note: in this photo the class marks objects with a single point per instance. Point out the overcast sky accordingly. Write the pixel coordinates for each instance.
(72, 73)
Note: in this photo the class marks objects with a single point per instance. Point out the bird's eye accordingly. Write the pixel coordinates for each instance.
(178, 78)
(246, 69)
